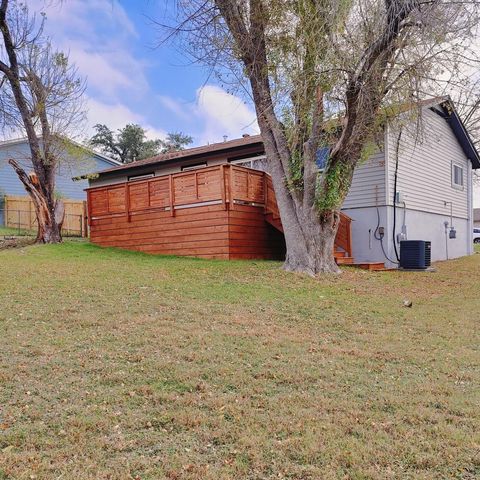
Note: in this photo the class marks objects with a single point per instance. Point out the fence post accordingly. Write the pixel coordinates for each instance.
(222, 186)
(84, 226)
(5, 202)
(89, 208)
(265, 192)
(172, 195)
(127, 201)
(231, 193)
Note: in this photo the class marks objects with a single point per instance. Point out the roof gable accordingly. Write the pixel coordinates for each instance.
(99, 156)
(446, 109)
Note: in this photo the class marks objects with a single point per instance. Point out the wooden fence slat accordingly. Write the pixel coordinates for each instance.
(242, 191)
(20, 213)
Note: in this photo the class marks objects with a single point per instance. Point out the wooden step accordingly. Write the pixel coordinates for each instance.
(372, 266)
(344, 260)
(340, 256)
(274, 221)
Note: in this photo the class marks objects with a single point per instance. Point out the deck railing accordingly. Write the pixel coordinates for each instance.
(344, 234)
(225, 184)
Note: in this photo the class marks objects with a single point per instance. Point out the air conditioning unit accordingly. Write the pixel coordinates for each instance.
(415, 254)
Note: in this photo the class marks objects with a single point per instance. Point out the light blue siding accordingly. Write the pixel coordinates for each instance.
(70, 166)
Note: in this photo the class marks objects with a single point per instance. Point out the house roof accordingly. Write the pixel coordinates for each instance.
(190, 152)
(450, 114)
(20, 140)
(476, 214)
(445, 107)
(441, 105)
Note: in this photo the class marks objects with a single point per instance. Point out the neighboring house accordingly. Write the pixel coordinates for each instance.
(77, 161)
(476, 217)
(417, 186)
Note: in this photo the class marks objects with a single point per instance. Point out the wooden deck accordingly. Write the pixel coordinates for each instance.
(225, 211)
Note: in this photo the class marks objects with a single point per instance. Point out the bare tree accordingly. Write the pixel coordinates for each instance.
(468, 104)
(320, 74)
(467, 101)
(40, 95)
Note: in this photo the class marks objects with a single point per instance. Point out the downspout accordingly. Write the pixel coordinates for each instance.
(380, 232)
(470, 208)
(397, 149)
(446, 239)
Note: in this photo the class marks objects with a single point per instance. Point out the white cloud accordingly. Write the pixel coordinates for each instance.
(82, 17)
(223, 114)
(215, 113)
(102, 76)
(180, 109)
(117, 115)
(98, 35)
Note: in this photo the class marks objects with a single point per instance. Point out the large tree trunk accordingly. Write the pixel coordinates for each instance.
(50, 213)
(309, 236)
(313, 252)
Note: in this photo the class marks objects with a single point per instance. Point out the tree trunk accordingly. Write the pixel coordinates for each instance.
(313, 253)
(309, 234)
(50, 213)
(310, 241)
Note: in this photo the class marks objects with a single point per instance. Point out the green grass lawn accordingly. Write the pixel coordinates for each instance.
(117, 365)
(7, 231)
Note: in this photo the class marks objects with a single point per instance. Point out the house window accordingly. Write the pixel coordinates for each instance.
(196, 166)
(140, 177)
(322, 158)
(257, 163)
(457, 176)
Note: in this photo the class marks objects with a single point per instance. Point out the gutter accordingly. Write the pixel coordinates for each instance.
(450, 115)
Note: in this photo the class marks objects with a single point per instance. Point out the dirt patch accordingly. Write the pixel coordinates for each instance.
(15, 242)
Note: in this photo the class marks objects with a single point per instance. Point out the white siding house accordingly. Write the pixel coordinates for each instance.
(368, 184)
(432, 163)
(426, 165)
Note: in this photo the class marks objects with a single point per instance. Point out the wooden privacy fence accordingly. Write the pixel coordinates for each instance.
(19, 213)
(226, 184)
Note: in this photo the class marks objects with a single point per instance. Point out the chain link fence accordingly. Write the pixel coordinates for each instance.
(21, 223)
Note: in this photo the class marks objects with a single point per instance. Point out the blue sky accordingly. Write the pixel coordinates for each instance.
(114, 44)
(130, 80)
